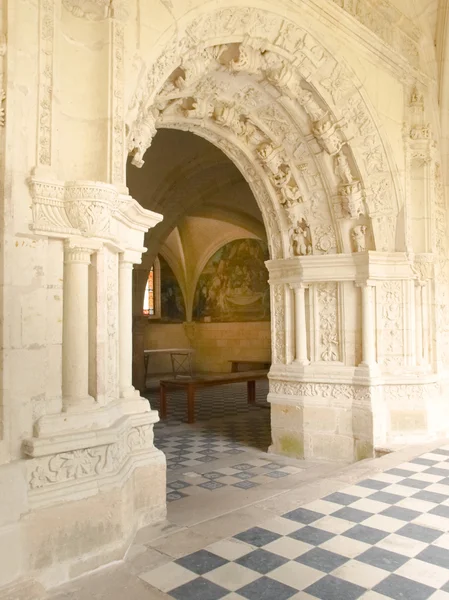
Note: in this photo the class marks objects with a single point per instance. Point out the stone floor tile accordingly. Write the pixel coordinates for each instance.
(435, 556)
(322, 560)
(384, 523)
(363, 533)
(439, 595)
(201, 562)
(288, 547)
(232, 576)
(324, 507)
(337, 589)
(352, 514)
(384, 559)
(199, 589)
(167, 577)
(266, 588)
(414, 504)
(296, 575)
(399, 490)
(369, 505)
(400, 513)
(402, 588)
(361, 574)
(402, 545)
(257, 536)
(424, 572)
(420, 533)
(261, 561)
(230, 549)
(333, 524)
(302, 515)
(311, 535)
(280, 525)
(359, 492)
(345, 546)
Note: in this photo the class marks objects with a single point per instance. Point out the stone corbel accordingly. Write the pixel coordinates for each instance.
(74, 207)
(90, 209)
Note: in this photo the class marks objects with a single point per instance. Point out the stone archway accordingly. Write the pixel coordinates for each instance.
(297, 125)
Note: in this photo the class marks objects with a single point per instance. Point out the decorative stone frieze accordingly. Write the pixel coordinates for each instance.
(88, 208)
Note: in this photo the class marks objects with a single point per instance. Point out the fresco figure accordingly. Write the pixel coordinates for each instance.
(234, 284)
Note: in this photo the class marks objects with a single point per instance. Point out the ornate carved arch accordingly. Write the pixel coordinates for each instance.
(292, 118)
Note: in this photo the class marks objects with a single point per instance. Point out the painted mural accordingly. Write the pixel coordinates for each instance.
(234, 284)
(173, 308)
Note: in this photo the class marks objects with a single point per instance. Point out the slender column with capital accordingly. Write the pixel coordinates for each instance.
(368, 329)
(300, 326)
(75, 336)
(126, 328)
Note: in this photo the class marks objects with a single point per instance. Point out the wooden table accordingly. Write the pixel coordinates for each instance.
(171, 351)
(255, 365)
(192, 383)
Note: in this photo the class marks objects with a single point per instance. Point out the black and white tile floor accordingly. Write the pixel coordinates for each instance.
(226, 426)
(385, 537)
(247, 525)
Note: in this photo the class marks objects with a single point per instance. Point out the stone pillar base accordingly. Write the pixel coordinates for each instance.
(321, 421)
(88, 493)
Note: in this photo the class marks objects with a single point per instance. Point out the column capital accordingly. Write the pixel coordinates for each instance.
(300, 285)
(363, 283)
(128, 258)
(79, 250)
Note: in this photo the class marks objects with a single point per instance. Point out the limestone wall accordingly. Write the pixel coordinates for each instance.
(215, 344)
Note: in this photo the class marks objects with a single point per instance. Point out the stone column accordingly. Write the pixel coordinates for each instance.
(418, 323)
(75, 337)
(300, 326)
(126, 327)
(368, 328)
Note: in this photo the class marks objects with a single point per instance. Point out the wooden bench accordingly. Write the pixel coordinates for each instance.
(191, 384)
(255, 365)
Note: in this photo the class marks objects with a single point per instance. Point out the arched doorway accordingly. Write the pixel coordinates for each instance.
(303, 136)
(205, 277)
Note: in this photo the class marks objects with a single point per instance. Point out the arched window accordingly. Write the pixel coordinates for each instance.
(152, 297)
(148, 301)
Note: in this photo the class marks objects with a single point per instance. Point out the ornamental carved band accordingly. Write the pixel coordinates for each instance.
(74, 207)
(220, 89)
(86, 463)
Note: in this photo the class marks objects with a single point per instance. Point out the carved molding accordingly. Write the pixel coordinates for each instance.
(87, 208)
(87, 463)
(388, 23)
(181, 90)
(45, 115)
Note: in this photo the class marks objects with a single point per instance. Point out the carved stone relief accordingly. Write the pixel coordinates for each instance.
(85, 463)
(301, 240)
(45, 118)
(252, 57)
(392, 324)
(329, 342)
(278, 323)
(358, 235)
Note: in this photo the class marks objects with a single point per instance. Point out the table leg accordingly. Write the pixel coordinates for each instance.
(190, 403)
(251, 386)
(163, 402)
(234, 367)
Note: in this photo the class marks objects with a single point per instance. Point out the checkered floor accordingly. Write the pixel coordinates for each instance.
(225, 426)
(242, 476)
(386, 537)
